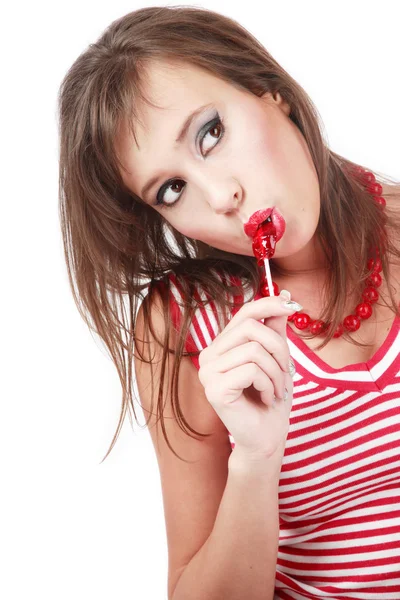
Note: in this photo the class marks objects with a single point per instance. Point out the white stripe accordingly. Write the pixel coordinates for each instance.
(311, 367)
(210, 313)
(219, 308)
(343, 471)
(310, 385)
(201, 323)
(297, 377)
(392, 388)
(350, 543)
(356, 512)
(304, 436)
(343, 571)
(357, 376)
(330, 509)
(387, 359)
(192, 331)
(318, 407)
(333, 559)
(361, 417)
(310, 398)
(346, 591)
(332, 503)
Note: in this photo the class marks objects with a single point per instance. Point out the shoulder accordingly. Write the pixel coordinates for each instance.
(391, 193)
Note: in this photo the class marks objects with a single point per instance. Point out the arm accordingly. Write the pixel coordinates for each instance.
(221, 511)
(238, 559)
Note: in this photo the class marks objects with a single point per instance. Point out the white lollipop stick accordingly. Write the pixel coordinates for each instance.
(269, 278)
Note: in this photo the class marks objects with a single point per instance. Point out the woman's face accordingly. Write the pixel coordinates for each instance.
(239, 155)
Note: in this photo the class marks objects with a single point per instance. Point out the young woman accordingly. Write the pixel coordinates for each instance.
(176, 128)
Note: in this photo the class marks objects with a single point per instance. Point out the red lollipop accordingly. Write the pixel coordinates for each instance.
(264, 241)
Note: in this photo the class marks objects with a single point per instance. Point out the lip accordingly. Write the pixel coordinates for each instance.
(279, 223)
(258, 217)
(261, 215)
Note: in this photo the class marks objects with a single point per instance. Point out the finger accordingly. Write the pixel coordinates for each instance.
(253, 352)
(245, 378)
(260, 309)
(279, 323)
(249, 331)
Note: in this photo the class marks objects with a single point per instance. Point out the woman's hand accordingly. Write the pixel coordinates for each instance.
(245, 374)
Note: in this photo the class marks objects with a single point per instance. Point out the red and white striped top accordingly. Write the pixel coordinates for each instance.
(339, 492)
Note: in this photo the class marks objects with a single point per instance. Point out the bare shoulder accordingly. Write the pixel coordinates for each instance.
(391, 193)
(192, 490)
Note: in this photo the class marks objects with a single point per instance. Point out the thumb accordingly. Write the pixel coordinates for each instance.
(279, 324)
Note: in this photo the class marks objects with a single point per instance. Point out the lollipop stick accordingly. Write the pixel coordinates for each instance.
(269, 278)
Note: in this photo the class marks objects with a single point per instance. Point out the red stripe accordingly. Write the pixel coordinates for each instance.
(341, 385)
(347, 521)
(355, 527)
(329, 395)
(357, 367)
(350, 534)
(353, 428)
(341, 478)
(376, 503)
(207, 323)
(378, 547)
(327, 566)
(338, 501)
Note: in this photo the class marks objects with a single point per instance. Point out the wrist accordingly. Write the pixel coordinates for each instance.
(242, 461)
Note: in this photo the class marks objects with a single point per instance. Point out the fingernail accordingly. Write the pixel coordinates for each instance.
(285, 294)
(284, 396)
(292, 367)
(292, 305)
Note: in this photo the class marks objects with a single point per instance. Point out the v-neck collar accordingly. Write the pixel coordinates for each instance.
(376, 373)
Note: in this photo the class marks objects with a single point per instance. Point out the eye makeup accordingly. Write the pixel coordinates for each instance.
(203, 132)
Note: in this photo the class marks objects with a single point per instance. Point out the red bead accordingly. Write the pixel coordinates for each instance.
(375, 250)
(365, 177)
(291, 317)
(381, 201)
(352, 323)
(370, 295)
(374, 279)
(364, 310)
(339, 331)
(375, 265)
(368, 178)
(359, 170)
(302, 320)
(375, 188)
(317, 327)
(265, 290)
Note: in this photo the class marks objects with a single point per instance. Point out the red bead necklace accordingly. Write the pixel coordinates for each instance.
(370, 295)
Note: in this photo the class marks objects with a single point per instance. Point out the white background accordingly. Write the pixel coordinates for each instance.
(72, 528)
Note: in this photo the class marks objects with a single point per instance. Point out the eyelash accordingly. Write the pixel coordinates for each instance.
(208, 127)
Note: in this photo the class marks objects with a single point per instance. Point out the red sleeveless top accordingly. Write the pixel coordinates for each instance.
(339, 492)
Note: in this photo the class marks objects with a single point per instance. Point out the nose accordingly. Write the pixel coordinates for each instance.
(224, 197)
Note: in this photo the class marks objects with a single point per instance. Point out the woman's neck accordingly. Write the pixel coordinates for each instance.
(310, 261)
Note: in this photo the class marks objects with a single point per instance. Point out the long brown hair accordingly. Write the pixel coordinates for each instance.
(116, 246)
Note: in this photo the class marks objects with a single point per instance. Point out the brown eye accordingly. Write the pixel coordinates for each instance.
(175, 186)
(216, 130)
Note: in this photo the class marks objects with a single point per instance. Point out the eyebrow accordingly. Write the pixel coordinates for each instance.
(181, 137)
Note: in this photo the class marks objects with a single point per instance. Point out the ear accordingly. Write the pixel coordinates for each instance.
(277, 100)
